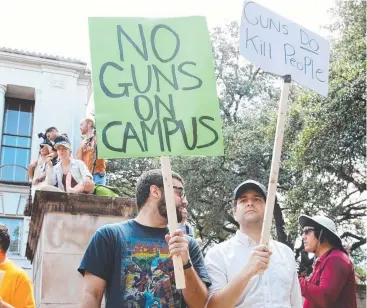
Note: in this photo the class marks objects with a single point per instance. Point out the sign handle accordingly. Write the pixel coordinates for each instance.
(274, 171)
(172, 218)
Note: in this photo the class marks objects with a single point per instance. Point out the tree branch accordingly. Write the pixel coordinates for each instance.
(250, 82)
(231, 219)
(230, 230)
(351, 205)
(347, 197)
(279, 224)
(349, 234)
(357, 244)
(348, 178)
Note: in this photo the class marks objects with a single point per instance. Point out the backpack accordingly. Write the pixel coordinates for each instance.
(104, 190)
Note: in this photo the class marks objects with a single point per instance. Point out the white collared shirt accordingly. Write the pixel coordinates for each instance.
(278, 287)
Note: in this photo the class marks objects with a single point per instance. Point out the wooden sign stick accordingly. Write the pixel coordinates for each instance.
(274, 171)
(172, 218)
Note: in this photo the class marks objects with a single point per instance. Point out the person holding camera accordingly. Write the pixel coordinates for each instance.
(49, 138)
(69, 175)
(87, 151)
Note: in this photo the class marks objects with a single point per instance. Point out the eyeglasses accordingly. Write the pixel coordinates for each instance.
(181, 190)
(307, 230)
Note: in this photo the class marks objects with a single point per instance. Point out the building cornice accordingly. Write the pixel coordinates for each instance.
(38, 60)
(41, 55)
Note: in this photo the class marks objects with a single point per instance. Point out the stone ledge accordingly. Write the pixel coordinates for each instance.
(47, 201)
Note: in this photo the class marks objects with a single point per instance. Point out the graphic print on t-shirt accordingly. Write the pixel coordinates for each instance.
(147, 275)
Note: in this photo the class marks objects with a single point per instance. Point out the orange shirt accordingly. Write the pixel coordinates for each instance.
(16, 288)
(86, 154)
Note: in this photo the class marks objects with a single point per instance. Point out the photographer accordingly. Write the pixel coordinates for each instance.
(51, 136)
(52, 133)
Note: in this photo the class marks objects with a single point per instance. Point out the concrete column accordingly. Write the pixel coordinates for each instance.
(2, 110)
(58, 236)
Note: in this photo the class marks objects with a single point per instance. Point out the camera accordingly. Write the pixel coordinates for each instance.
(42, 135)
(45, 139)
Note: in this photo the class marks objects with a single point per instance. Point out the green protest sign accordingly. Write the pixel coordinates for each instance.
(154, 87)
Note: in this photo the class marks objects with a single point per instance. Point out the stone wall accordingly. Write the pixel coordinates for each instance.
(60, 230)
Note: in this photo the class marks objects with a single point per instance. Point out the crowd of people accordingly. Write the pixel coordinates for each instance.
(130, 262)
(58, 169)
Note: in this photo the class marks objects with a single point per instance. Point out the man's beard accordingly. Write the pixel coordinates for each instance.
(162, 209)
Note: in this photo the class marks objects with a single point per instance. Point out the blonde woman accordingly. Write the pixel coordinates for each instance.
(69, 175)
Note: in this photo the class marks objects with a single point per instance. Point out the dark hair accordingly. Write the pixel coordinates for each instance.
(147, 179)
(247, 189)
(50, 129)
(327, 236)
(62, 137)
(4, 238)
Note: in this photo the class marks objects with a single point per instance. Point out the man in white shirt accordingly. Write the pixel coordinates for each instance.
(234, 281)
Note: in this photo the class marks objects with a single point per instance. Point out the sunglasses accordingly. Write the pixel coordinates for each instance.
(307, 230)
(181, 190)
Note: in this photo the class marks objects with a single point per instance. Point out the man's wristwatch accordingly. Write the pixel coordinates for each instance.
(187, 265)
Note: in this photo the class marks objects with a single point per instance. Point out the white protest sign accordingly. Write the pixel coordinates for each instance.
(282, 47)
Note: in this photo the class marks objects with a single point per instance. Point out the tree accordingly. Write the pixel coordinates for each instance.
(322, 170)
(329, 133)
(124, 173)
(238, 82)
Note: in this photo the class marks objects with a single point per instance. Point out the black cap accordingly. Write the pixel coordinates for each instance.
(250, 184)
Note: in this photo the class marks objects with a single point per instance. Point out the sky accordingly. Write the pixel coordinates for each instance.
(61, 27)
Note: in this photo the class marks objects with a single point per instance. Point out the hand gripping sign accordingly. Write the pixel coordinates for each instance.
(281, 47)
(155, 94)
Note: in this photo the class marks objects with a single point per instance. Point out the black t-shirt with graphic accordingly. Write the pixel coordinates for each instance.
(134, 261)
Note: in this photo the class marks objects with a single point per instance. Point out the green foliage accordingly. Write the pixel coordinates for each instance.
(326, 136)
(323, 159)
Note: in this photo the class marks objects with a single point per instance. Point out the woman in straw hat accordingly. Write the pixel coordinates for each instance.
(332, 282)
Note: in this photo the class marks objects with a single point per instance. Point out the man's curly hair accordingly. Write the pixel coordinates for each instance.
(147, 179)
